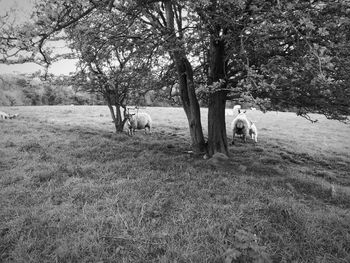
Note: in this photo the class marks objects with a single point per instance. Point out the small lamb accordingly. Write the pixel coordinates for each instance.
(253, 132)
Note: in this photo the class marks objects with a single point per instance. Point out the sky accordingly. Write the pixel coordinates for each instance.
(22, 13)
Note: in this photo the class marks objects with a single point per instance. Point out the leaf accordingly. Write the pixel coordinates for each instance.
(307, 23)
(323, 31)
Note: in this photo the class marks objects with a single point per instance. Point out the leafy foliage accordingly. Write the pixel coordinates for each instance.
(26, 90)
(284, 55)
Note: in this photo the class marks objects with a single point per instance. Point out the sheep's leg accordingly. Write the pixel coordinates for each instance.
(233, 136)
(246, 134)
(147, 127)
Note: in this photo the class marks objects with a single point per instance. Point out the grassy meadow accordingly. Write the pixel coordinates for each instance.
(72, 190)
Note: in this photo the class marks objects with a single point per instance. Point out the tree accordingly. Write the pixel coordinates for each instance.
(273, 54)
(173, 13)
(311, 52)
(166, 20)
(110, 59)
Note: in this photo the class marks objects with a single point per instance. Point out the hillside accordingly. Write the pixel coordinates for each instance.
(72, 190)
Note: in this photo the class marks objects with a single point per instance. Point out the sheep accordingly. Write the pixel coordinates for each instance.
(126, 127)
(138, 121)
(4, 115)
(244, 127)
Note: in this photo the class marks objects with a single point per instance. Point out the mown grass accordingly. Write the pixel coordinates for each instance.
(74, 191)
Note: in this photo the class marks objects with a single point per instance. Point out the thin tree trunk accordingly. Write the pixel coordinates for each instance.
(111, 110)
(116, 116)
(186, 82)
(190, 103)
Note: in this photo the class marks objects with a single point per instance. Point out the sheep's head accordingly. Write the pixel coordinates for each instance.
(128, 116)
(128, 119)
(240, 124)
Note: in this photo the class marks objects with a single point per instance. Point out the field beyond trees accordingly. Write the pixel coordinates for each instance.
(73, 190)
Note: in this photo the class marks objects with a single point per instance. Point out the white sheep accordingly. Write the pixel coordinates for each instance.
(138, 121)
(4, 115)
(244, 127)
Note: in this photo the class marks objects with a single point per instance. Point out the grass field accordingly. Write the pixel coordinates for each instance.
(72, 190)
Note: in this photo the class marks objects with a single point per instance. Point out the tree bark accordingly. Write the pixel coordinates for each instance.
(190, 102)
(217, 137)
(111, 110)
(119, 121)
(116, 116)
(186, 82)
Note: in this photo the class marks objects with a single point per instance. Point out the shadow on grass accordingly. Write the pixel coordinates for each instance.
(75, 194)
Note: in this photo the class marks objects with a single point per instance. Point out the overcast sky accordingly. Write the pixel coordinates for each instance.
(23, 10)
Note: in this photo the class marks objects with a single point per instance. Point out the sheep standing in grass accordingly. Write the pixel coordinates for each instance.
(138, 121)
(244, 127)
(4, 115)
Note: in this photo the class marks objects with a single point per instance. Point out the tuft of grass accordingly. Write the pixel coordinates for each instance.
(30, 146)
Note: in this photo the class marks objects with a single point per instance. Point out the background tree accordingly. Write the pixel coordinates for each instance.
(110, 60)
(167, 20)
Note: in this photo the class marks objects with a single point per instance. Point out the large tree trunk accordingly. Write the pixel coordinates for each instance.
(119, 125)
(217, 138)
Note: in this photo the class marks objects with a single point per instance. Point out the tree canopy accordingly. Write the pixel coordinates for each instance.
(278, 54)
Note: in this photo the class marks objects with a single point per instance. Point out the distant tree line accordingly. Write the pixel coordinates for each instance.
(21, 90)
(16, 90)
